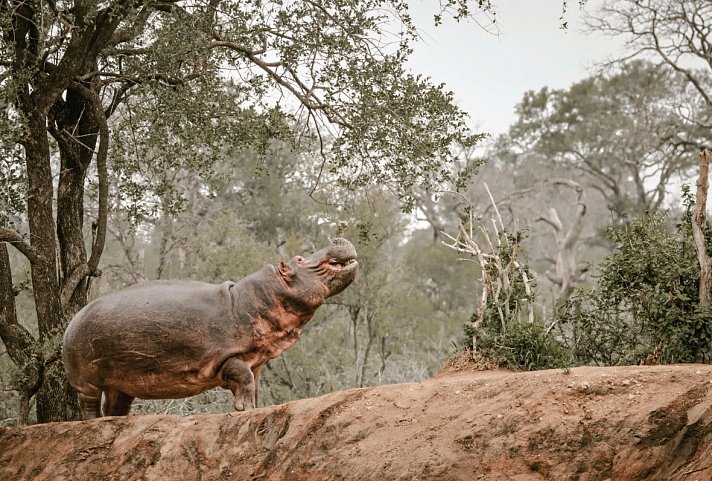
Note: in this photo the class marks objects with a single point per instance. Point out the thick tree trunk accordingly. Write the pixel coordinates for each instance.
(50, 96)
(77, 129)
(41, 222)
(55, 398)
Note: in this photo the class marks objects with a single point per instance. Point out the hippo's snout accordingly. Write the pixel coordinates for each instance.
(335, 264)
(340, 253)
(342, 250)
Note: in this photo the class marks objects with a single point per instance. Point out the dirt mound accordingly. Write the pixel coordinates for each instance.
(624, 423)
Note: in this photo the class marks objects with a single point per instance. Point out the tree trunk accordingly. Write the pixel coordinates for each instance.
(699, 222)
(54, 398)
(53, 98)
(566, 273)
(75, 130)
(76, 123)
(698, 229)
(21, 346)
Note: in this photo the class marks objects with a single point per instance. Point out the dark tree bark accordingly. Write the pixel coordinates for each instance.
(45, 283)
(20, 345)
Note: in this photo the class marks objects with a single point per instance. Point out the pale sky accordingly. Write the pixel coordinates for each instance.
(488, 73)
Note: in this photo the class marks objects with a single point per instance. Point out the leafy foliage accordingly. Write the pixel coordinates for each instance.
(524, 345)
(645, 306)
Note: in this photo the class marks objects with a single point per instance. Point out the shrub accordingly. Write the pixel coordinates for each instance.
(645, 306)
(504, 329)
(523, 345)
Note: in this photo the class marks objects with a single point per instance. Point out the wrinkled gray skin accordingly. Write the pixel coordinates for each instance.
(174, 339)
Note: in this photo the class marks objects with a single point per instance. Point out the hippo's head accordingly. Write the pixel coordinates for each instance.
(323, 274)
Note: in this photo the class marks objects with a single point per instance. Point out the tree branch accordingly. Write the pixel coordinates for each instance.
(90, 268)
(72, 281)
(103, 177)
(306, 96)
(132, 31)
(16, 240)
(20, 345)
(16, 338)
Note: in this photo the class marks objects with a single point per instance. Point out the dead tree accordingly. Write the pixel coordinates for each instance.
(500, 268)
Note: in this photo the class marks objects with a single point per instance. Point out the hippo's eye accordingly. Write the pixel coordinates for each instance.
(344, 263)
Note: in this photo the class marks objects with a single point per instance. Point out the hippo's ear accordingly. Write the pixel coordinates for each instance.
(286, 272)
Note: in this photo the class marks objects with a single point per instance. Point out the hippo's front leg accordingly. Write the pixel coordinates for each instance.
(256, 377)
(238, 378)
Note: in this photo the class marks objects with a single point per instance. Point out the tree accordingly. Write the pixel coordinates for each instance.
(674, 33)
(507, 287)
(566, 272)
(621, 132)
(126, 88)
(504, 327)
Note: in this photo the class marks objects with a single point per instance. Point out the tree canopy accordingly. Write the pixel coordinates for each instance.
(623, 131)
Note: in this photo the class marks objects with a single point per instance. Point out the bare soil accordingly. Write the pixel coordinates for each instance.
(621, 423)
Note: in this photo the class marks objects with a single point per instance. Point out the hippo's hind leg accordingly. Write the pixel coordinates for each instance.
(116, 403)
(238, 378)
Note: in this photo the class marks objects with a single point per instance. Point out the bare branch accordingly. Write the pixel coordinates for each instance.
(497, 278)
(494, 206)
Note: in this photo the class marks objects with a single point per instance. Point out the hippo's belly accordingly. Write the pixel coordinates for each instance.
(167, 378)
(168, 386)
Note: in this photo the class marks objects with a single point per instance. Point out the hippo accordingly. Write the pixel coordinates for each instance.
(174, 339)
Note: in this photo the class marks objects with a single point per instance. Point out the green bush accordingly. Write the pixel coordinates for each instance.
(524, 345)
(645, 306)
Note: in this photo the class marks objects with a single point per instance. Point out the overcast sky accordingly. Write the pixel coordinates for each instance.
(490, 73)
